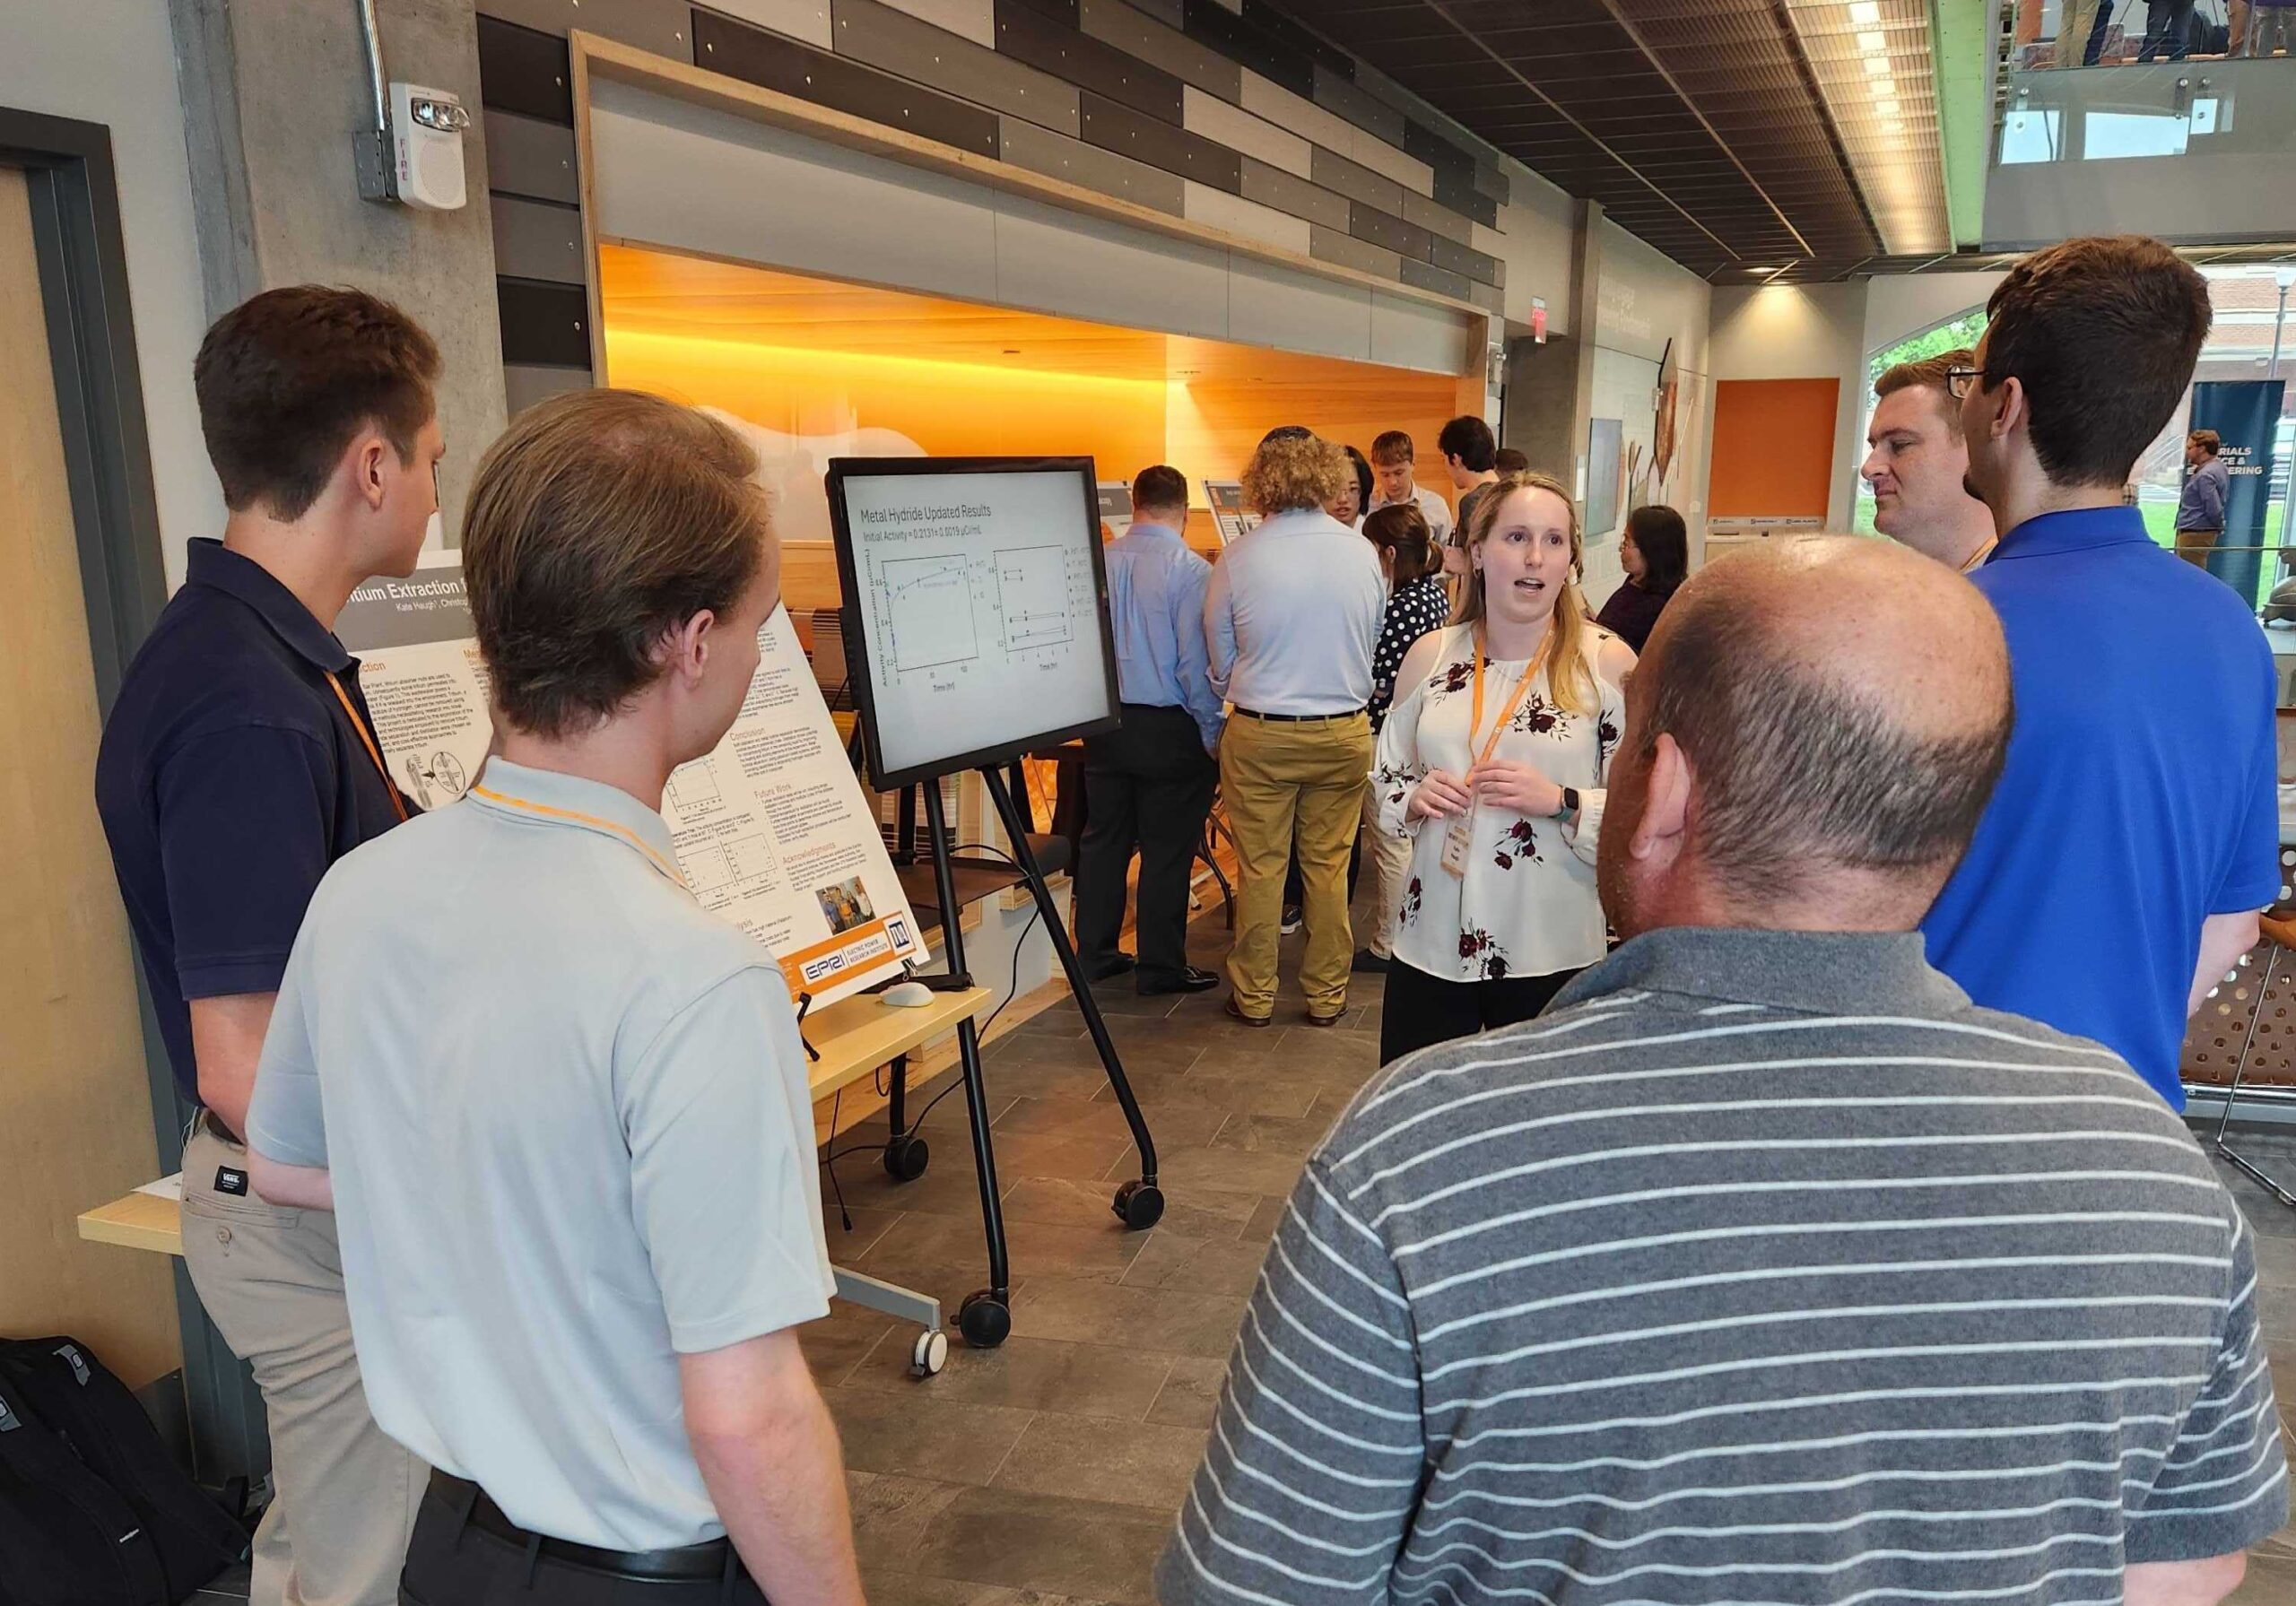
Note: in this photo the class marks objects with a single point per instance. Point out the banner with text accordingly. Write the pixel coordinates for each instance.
(2244, 413)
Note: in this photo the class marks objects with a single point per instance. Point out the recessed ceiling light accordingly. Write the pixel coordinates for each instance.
(1872, 41)
(1864, 14)
(1877, 67)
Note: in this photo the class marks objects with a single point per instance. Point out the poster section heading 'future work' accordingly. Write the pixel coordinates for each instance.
(772, 830)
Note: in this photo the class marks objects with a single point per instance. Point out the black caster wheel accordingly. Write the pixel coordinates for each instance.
(905, 1157)
(1139, 1204)
(929, 1354)
(984, 1319)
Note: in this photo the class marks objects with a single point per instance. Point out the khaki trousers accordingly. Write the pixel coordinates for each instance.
(1283, 782)
(345, 1495)
(2076, 18)
(1388, 860)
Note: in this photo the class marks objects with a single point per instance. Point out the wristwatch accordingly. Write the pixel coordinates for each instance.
(1569, 803)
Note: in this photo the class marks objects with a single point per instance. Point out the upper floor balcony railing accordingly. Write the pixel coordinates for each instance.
(2198, 150)
(2057, 34)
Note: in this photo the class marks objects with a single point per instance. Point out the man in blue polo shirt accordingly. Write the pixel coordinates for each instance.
(240, 761)
(2117, 872)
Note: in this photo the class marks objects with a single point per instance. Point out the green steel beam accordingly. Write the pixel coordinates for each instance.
(1962, 47)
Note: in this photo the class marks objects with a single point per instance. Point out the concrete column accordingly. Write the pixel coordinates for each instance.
(1586, 327)
(273, 93)
(1551, 387)
(1542, 401)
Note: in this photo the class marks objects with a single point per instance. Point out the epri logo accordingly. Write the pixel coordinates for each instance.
(897, 929)
(827, 965)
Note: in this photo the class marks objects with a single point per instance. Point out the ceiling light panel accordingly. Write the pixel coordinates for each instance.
(1872, 65)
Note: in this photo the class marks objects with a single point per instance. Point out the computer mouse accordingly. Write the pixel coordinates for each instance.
(907, 995)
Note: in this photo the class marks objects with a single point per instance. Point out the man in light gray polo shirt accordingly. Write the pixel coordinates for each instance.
(1290, 617)
(560, 1110)
(1764, 1266)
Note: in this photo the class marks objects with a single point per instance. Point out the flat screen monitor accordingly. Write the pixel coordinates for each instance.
(976, 591)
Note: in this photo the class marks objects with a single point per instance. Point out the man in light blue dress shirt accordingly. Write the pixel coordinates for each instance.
(1148, 785)
(2200, 505)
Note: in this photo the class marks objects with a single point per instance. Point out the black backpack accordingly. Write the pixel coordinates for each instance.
(94, 1511)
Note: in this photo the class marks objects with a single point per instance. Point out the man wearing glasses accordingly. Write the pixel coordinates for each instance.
(2117, 875)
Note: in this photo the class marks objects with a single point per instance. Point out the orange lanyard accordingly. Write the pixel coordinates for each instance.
(594, 822)
(1474, 719)
(366, 737)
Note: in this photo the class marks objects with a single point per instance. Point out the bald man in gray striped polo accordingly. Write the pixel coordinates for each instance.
(1764, 1266)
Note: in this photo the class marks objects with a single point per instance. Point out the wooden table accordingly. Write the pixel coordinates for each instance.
(854, 1037)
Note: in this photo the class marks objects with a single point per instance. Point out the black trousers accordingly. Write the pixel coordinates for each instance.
(1419, 1010)
(1148, 785)
(450, 1564)
(2168, 30)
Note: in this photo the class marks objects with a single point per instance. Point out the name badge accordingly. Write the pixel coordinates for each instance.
(1458, 843)
(232, 1181)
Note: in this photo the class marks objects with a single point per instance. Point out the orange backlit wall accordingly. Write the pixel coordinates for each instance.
(951, 409)
(814, 369)
(1773, 448)
(1206, 426)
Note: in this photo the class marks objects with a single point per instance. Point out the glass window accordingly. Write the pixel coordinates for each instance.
(2111, 134)
(2029, 137)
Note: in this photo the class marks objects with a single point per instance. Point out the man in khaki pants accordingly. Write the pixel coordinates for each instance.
(240, 761)
(1290, 617)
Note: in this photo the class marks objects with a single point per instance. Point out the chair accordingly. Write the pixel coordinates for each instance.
(1215, 826)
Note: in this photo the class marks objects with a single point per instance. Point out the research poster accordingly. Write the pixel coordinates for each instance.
(1229, 516)
(1115, 506)
(771, 828)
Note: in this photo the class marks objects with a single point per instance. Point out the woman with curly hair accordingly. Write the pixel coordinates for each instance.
(1491, 763)
(1290, 616)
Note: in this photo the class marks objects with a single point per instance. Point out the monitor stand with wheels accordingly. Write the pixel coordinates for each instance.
(985, 1317)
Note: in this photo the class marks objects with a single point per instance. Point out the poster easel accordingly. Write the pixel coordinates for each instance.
(1010, 550)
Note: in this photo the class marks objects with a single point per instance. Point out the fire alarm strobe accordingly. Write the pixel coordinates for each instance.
(427, 126)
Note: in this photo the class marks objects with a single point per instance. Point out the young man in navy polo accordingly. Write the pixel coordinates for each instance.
(2117, 872)
(238, 763)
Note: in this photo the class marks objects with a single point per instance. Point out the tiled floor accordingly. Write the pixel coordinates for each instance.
(2272, 1566)
(1046, 1472)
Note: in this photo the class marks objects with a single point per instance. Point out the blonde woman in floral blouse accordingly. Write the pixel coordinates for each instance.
(1492, 762)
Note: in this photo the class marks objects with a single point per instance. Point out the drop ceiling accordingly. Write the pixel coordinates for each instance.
(1746, 139)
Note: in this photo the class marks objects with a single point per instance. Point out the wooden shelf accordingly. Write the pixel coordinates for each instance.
(853, 1035)
(977, 880)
